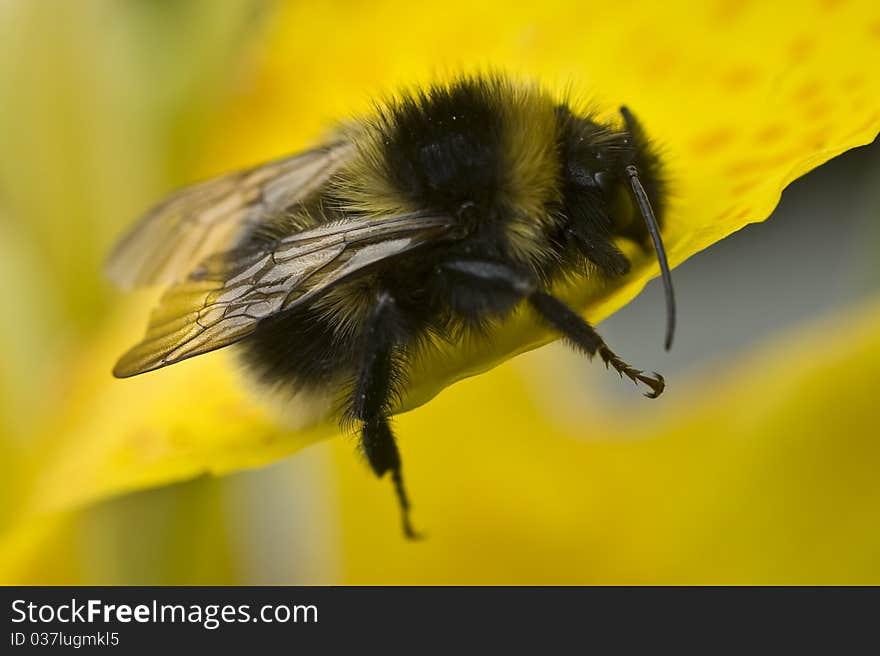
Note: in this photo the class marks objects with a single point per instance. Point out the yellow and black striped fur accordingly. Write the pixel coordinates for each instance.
(531, 189)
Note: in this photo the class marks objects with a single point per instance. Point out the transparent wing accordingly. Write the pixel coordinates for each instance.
(209, 217)
(224, 299)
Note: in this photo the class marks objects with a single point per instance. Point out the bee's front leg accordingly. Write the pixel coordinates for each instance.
(494, 277)
(373, 388)
(477, 290)
(585, 338)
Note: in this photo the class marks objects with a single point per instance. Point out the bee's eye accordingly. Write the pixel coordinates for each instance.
(587, 176)
(603, 180)
(467, 212)
(580, 176)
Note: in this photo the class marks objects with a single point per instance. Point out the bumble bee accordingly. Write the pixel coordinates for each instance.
(439, 215)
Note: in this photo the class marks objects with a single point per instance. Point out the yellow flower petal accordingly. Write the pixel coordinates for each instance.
(107, 437)
(178, 534)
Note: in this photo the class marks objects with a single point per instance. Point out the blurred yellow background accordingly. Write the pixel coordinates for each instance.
(757, 466)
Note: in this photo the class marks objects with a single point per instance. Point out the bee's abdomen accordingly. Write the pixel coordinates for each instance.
(298, 350)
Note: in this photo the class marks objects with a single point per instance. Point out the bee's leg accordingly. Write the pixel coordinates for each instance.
(373, 388)
(479, 289)
(491, 276)
(584, 337)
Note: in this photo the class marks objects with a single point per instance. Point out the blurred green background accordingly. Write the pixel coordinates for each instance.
(105, 106)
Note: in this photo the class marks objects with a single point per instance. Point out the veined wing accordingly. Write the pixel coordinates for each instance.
(209, 217)
(224, 299)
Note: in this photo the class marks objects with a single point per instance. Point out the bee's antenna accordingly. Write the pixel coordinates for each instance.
(654, 230)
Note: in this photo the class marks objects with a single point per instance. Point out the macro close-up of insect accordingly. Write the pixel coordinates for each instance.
(419, 269)
(443, 213)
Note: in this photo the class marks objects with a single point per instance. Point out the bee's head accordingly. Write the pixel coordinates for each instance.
(613, 187)
(595, 162)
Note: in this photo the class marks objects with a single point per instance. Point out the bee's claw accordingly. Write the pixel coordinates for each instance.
(657, 384)
(411, 534)
(408, 531)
